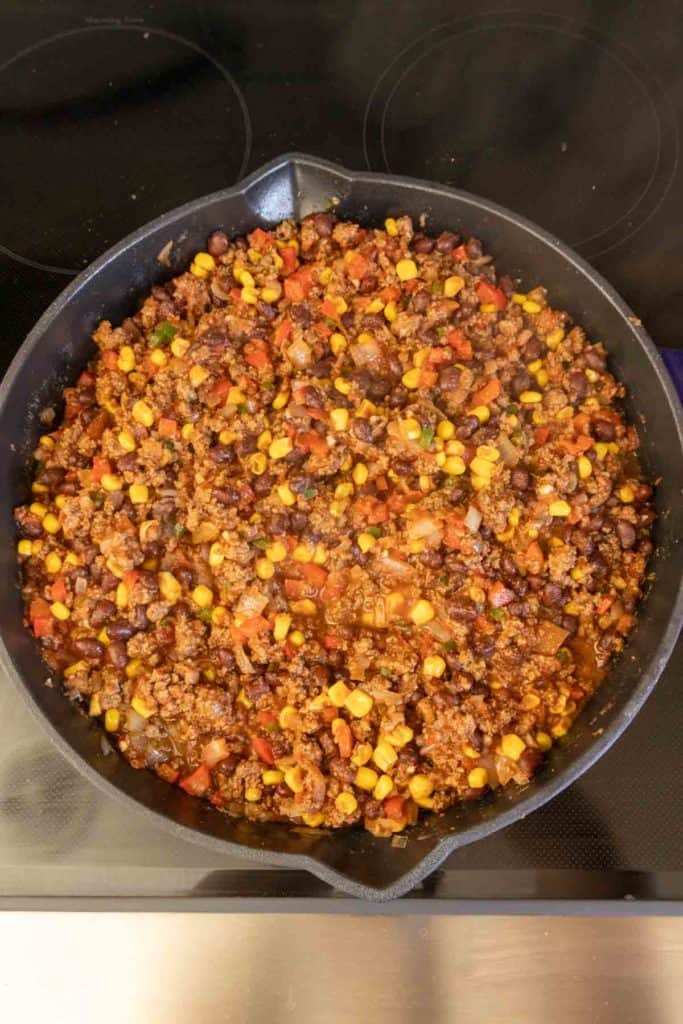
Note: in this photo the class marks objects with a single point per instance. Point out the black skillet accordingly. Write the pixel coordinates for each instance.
(292, 186)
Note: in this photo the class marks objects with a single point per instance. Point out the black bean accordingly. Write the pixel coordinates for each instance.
(139, 619)
(508, 565)
(603, 429)
(530, 760)
(89, 648)
(535, 583)
(520, 478)
(446, 242)
(448, 378)
(121, 629)
(626, 532)
(519, 383)
(298, 521)
(403, 467)
(323, 368)
(570, 623)
(246, 445)
(267, 311)
(373, 322)
(398, 398)
(466, 428)
(28, 524)
(324, 223)
(368, 284)
(218, 243)
(278, 524)
(422, 244)
(301, 314)
(362, 429)
(347, 320)
(116, 654)
(299, 484)
(533, 349)
(185, 575)
(595, 359)
(578, 383)
(262, 484)
(432, 559)
(215, 336)
(226, 495)
(51, 476)
(226, 658)
(474, 248)
(462, 609)
(421, 301)
(102, 612)
(552, 595)
(127, 463)
(222, 454)
(68, 487)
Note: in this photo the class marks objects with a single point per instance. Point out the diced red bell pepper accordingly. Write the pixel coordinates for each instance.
(314, 574)
(289, 260)
(58, 589)
(219, 390)
(110, 359)
(370, 509)
(266, 718)
(100, 466)
(260, 239)
(541, 434)
(329, 308)
(263, 749)
(167, 427)
(461, 345)
(454, 532)
(310, 441)
(486, 394)
(256, 353)
(357, 266)
(489, 293)
(197, 782)
(499, 595)
(334, 588)
(296, 589)
(329, 714)
(253, 626)
(299, 284)
(393, 807)
(283, 331)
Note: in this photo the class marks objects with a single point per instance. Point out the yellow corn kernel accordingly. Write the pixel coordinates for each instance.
(127, 441)
(440, 459)
(95, 706)
(365, 541)
(169, 587)
(626, 494)
(477, 778)
(142, 413)
(39, 488)
(559, 509)
(47, 441)
(361, 754)
(384, 786)
(198, 374)
(205, 260)
(286, 494)
(141, 707)
(433, 666)
(559, 730)
(410, 429)
(304, 607)
(179, 347)
(337, 509)
(313, 820)
(272, 777)
(280, 400)
(592, 376)
(158, 358)
(186, 431)
(391, 227)
(138, 493)
(53, 562)
(60, 611)
(122, 596)
(252, 794)
(263, 440)
(542, 378)
(530, 701)
(216, 555)
(338, 693)
(482, 412)
(534, 366)
(288, 717)
(480, 467)
(50, 523)
(445, 430)
(384, 756)
(271, 293)
(340, 303)
(112, 718)
(346, 803)
(342, 386)
(60, 501)
(359, 703)
(400, 736)
(319, 555)
(281, 626)
(219, 615)
(487, 307)
(360, 474)
(531, 307)
(339, 418)
(72, 670)
(257, 463)
(294, 778)
(265, 570)
(554, 338)
(420, 787)
(276, 552)
(110, 482)
(406, 270)
(452, 285)
(584, 467)
(411, 379)
(453, 465)
(366, 778)
(512, 746)
(343, 490)
(530, 397)
(72, 559)
(519, 298)
(279, 448)
(337, 343)
(391, 311)
(422, 612)
(572, 608)
(243, 277)
(126, 360)
(235, 396)
(376, 306)
(202, 596)
(543, 741)
(578, 574)
(297, 638)
(302, 553)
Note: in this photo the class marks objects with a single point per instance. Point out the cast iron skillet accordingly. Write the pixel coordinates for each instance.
(292, 186)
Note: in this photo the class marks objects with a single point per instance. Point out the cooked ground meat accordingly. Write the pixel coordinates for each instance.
(335, 528)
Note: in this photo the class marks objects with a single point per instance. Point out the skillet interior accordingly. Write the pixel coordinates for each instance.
(293, 186)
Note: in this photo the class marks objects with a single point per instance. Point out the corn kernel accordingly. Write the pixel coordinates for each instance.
(280, 400)
(216, 555)
(205, 260)
(187, 430)
(338, 694)
(359, 703)
(365, 541)
(433, 666)
(286, 495)
(530, 397)
(453, 465)
(72, 559)
(411, 379)
(179, 347)
(422, 612)
(95, 706)
(400, 736)
(112, 718)
(487, 307)
(281, 626)
(482, 412)
(158, 358)
(297, 638)
(542, 378)
(559, 509)
(559, 730)
(544, 741)
(410, 429)
(202, 596)
(288, 717)
(47, 441)
(265, 570)
(592, 376)
(342, 386)
(391, 227)
(294, 778)
(126, 360)
(169, 587)
(512, 746)
(366, 778)
(138, 493)
(53, 562)
(360, 474)
(304, 607)
(445, 430)
(362, 754)
(554, 338)
(50, 523)
(143, 709)
(384, 756)
(60, 611)
(531, 307)
(127, 441)
(271, 293)
(343, 490)
(337, 343)
(406, 270)
(302, 553)
(384, 786)
(391, 311)
(280, 448)
(110, 482)
(376, 306)
(420, 787)
(142, 413)
(243, 277)
(252, 794)
(519, 298)
(346, 803)
(72, 670)
(477, 778)
(339, 418)
(452, 285)
(584, 467)
(626, 494)
(219, 615)
(276, 552)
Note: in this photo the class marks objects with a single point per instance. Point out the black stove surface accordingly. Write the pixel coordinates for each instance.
(570, 115)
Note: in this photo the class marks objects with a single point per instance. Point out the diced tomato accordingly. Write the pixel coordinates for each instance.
(381, 483)
(577, 446)
(131, 577)
(329, 308)
(236, 294)
(215, 751)
(461, 345)
(263, 749)
(299, 284)
(260, 239)
(356, 265)
(410, 286)
(256, 354)
(390, 293)
(331, 642)
(253, 626)
(296, 589)
(266, 718)
(541, 434)
(489, 293)
(459, 254)
(486, 394)
(219, 390)
(499, 595)
(334, 588)
(283, 331)
(329, 714)
(582, 422)
(370, 510)
(58, 589)
(438, 356)
(86, 379)
(39, 608)
(344, 738)
(167, 772)
(289, 260)
(534, 558)
(604, 605)
(110, 359)
(483, 625)
(454, 531)
(100, 466)
(167, 427)
(393, 807)
(197, 783)
(314, 574)
(310, 441)
(428, 377)
(43, 626)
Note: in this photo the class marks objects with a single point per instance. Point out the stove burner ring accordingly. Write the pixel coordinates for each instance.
(665, 158)
(145, 32)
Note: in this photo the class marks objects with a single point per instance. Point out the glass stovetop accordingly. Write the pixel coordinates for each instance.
(110, 117)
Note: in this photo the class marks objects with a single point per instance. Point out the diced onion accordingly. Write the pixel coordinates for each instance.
(426, 529)
(473, 519)
(366, 353)
(251, 603)
(508, 452)
(299, 354)
(439, 630)
(243, 663)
